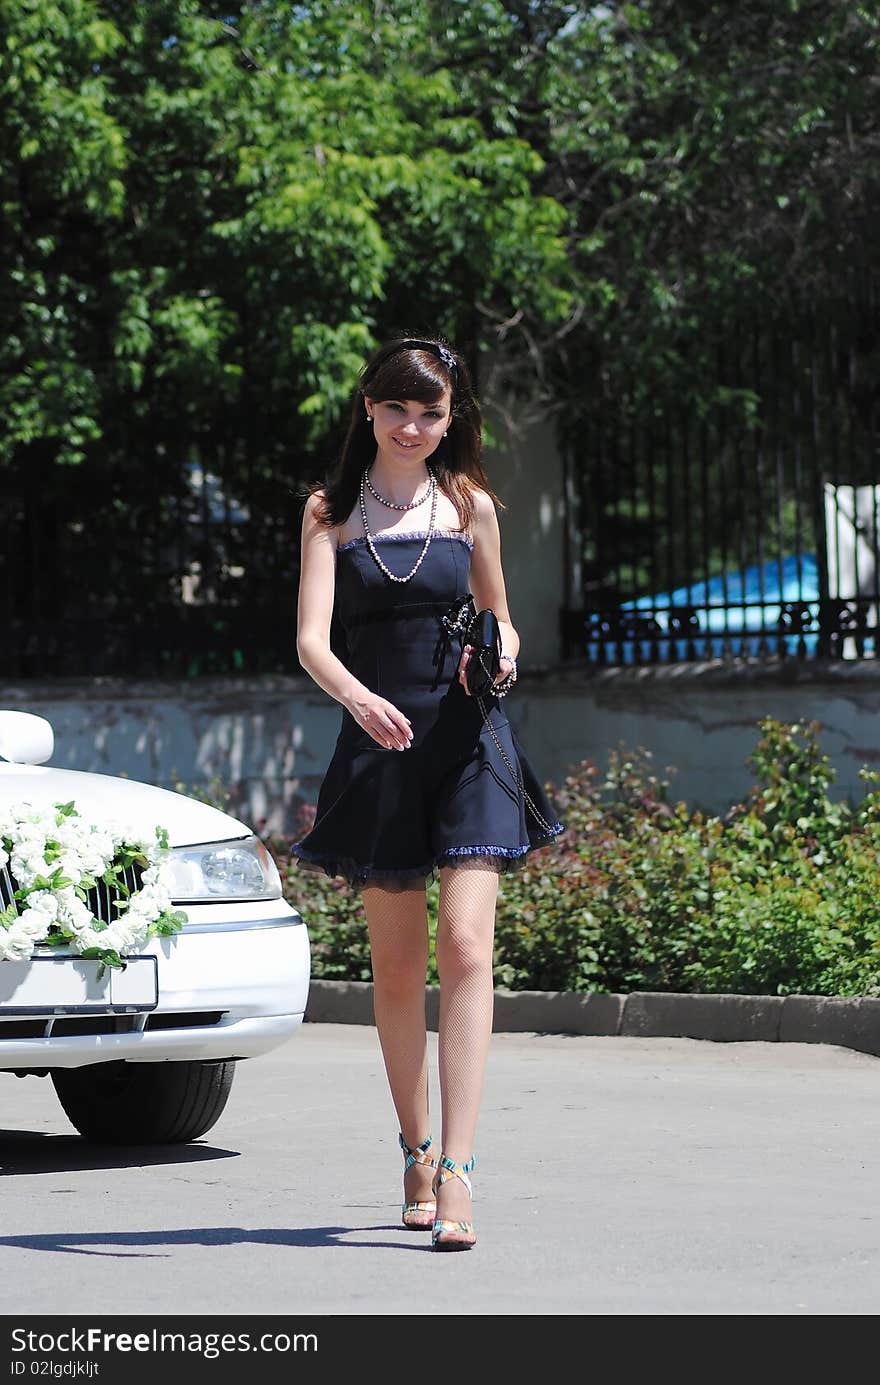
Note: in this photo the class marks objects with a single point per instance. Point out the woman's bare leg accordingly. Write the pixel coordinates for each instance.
(398, 928)
(465, 940)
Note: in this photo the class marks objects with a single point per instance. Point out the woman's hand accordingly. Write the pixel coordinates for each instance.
(382, 720)
(466, 653)
(506, 664)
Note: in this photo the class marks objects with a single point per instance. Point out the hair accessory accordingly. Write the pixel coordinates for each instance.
(437, 349)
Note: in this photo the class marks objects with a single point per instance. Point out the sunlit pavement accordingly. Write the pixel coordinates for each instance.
(614, 1176)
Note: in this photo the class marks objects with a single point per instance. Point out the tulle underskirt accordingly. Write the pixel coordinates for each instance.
(503, 860)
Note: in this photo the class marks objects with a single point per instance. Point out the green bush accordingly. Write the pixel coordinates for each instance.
(779, 896)
(333, 911)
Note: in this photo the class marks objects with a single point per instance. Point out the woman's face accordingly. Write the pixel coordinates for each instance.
(407, 427)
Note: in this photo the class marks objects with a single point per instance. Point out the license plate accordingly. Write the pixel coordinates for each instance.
(70, 985)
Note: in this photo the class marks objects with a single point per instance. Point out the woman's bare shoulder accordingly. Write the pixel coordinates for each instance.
(315, 518)
(485, 512)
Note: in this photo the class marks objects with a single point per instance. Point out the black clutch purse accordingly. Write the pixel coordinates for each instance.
(484, 664)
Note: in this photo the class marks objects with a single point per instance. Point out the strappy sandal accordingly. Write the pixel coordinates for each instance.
(446, 1234)
(418, 1216)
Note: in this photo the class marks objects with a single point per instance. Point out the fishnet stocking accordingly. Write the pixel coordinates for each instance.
(397, 924)
(465, 939)
(398, 928)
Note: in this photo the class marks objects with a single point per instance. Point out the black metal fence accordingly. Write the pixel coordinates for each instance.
(748, 526)
(157, 570)
(742, 527)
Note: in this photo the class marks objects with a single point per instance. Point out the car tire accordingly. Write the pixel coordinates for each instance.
(144, 1103)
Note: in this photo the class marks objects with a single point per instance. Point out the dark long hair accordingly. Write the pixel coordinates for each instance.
(412, 368)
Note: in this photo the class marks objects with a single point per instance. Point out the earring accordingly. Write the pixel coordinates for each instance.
(445, 433)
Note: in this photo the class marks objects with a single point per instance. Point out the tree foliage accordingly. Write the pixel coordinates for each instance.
(210, 213)
(214, 206)
(709, 156)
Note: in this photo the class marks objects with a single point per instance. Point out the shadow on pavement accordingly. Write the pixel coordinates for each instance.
(31, 1151)
(138, 1243)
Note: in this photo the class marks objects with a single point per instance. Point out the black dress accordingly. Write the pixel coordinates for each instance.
(390, 816)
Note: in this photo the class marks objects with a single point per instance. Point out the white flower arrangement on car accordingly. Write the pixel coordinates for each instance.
(58, 867)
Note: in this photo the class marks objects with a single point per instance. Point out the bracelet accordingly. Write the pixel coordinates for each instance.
(503, 686)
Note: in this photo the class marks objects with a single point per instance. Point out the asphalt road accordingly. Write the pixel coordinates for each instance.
(614, 1177)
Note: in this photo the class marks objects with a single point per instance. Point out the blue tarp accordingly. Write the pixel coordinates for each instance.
(763, 590)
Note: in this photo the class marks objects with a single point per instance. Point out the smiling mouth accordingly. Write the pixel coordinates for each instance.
(400, 443)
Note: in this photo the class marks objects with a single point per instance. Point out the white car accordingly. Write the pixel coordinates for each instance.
(147, 1054)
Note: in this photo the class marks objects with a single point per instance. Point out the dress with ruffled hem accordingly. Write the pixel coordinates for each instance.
(394, 818)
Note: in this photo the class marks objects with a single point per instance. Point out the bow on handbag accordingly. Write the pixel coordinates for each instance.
(481, 631)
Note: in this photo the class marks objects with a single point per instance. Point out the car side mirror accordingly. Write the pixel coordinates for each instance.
(25, 739)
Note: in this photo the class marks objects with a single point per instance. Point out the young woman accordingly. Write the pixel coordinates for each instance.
(424, 777)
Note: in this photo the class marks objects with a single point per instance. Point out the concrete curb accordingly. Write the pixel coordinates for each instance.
(805, 1019)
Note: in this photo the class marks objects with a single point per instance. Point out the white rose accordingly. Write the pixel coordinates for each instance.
(19, 942)
(11, 947)
(44, 901)
(32, 923)
(72, 913)
(89, 938)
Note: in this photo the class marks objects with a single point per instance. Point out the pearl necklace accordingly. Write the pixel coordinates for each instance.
(413, 504)
(392, 577)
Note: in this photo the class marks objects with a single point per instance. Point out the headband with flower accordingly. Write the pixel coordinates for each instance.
(443, 354)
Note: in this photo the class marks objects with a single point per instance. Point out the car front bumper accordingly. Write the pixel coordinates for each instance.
(233, 983)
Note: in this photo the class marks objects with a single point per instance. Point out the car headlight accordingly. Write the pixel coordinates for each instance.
(241, 869)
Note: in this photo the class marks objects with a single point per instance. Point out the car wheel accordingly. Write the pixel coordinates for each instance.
(144, 1103)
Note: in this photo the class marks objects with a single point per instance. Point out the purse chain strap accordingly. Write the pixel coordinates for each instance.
(517, 778)
(458, 625)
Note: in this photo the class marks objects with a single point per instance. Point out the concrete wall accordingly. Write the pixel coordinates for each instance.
(267, 741)
(527, 477)
(702, 721)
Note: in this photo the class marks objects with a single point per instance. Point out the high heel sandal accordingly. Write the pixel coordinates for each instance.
(446, 1234)
(418, 1216)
